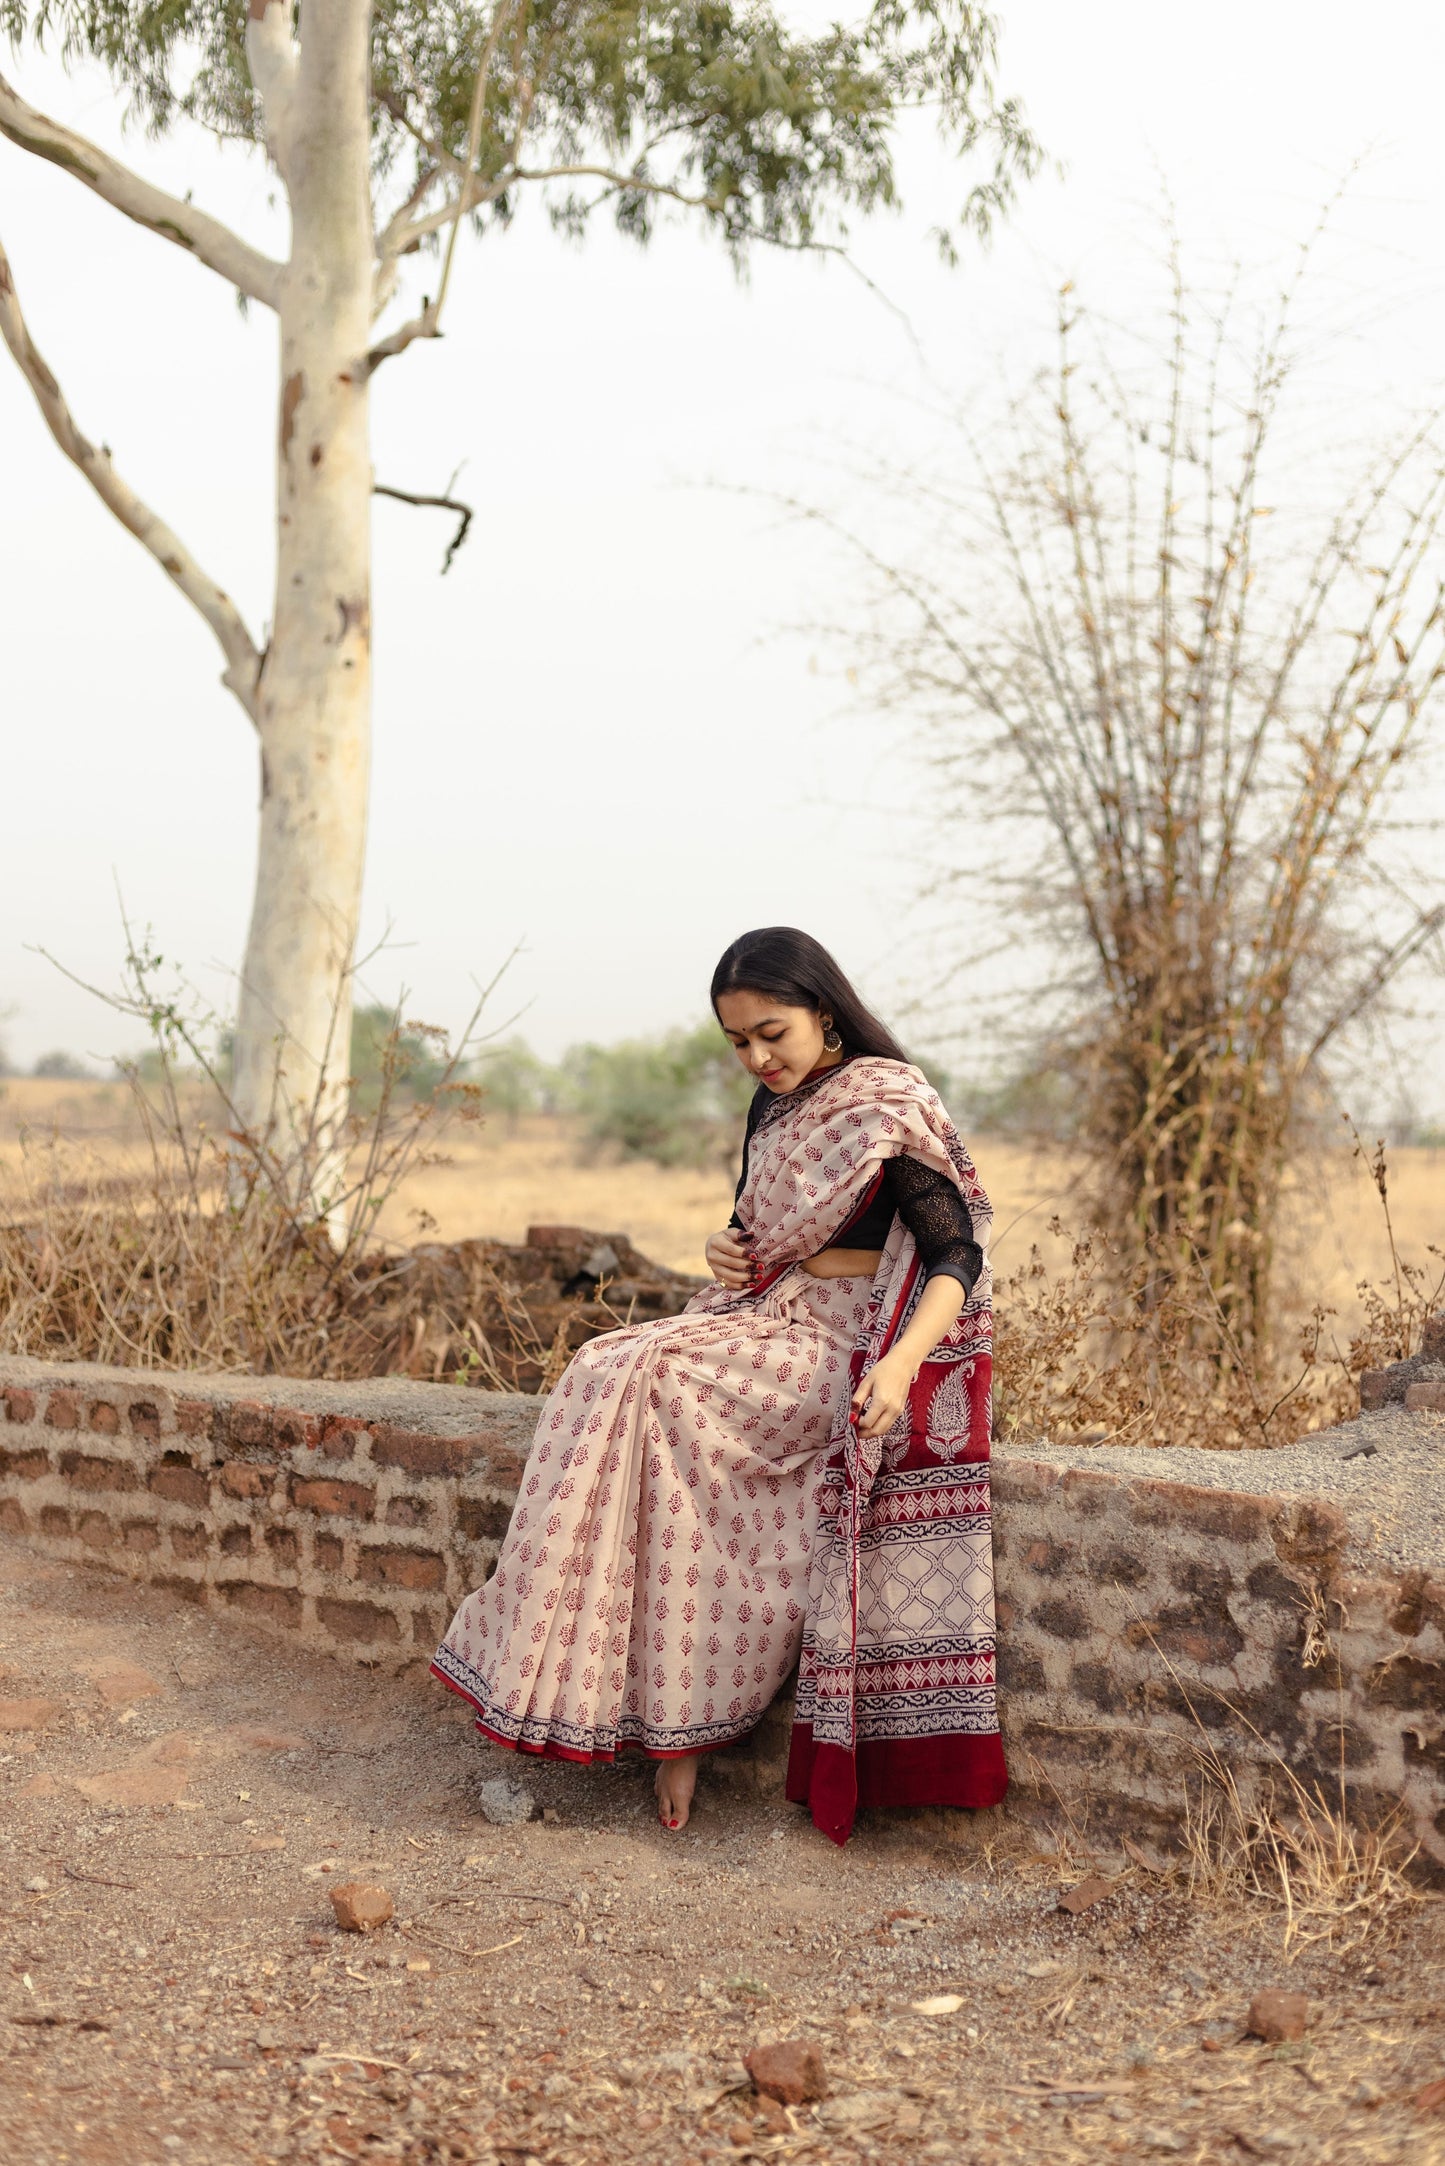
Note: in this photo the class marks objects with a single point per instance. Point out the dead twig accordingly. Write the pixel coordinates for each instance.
(73, 1872)
(444, 502)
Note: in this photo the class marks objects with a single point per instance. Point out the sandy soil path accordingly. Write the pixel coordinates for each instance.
(179, 1798)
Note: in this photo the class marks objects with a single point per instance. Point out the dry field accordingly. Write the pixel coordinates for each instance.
(506, 1176)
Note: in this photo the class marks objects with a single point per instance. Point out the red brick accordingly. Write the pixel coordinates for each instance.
(327, 1553)
(420, 1453)
(483, 1519)
(1310, 1534)
(189, 1590)
(139, 1534)
(278, 1605)
(55, 1521)
(236, 1542)
(248, 1422)
(180, 1485)
(294, 1431)
(427, 1628)
(283, 1544)
(62, 1411)
(358, 1621)
(96, 1531)
(19, 1406)
(188, 1543)
(193, 1417)
(25, 1466)
(1223, 1513)
(408, 1512)
(420, 1570)
(83, 1473)
(1023, 1479)
(104, 1418)
(562, 1237)
(145, 1419)
(1089, 1490)
(12, 1516)
(1050, 1558)
(339, 1500)
(342, 1436)
(239, 1478)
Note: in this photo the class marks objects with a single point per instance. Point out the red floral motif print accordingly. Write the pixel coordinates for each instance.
(694, 1415)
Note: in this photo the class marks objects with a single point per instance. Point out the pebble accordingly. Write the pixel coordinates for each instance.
(506, 1804)
(360, 1907)
(1277, 2018)
(790, 2071)
(1085, 1895)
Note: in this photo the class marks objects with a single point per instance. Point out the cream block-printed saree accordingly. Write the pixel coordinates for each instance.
(698, 1510)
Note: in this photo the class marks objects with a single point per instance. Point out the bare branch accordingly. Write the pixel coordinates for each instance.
(203, 237)
(243, 661)
(274, 61)
(423, 326)
(391, 245)
(448, 502)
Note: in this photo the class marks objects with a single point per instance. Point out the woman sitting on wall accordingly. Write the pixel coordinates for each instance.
(797, 1462)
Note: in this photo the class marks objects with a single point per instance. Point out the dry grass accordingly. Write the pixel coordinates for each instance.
(1331, 1877)
(119, 1248)
(499, 1179)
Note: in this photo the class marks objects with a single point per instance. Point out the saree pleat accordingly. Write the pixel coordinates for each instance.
(698, 1510)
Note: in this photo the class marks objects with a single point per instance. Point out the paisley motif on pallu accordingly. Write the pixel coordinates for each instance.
(698, 1503)
(896, 1692)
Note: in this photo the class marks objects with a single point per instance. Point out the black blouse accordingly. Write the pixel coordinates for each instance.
(927, 1201)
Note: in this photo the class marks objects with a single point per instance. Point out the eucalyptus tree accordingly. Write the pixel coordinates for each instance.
(392, 124)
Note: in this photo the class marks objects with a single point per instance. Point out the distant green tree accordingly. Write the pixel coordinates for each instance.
(385, 1047)
(61, 1067)
(679, 1099)
(514, 1080)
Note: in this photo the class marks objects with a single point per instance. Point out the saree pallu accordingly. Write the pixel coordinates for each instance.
(698, 1507)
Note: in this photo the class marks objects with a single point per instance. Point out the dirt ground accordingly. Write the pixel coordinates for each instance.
(581, 1988)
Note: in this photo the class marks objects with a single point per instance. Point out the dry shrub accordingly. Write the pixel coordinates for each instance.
(169, 1270)
(1099, 1351)
(210, 1256)
(1294, 1848)
(1177, 648)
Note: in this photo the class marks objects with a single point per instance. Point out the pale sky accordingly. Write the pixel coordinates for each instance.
(605, 735)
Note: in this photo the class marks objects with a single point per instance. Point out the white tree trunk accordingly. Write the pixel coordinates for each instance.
(314, 700)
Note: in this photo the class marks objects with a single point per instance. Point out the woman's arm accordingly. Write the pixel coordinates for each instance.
(883, 1390)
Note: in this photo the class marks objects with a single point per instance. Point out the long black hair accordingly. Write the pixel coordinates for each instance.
(783, 964)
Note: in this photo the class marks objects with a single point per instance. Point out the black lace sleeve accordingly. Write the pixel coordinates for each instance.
(759, 1100)
(938, 1219)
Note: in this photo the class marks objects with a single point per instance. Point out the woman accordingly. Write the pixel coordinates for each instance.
(797, 1463)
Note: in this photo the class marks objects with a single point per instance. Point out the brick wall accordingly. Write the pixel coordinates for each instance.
(1140, 1619)
(354, 1517)
(1138, 1615)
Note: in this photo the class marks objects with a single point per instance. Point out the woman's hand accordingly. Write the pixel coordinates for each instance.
(882, 1393)
(730, 1258)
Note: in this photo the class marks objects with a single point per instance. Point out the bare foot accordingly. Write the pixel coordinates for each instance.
(676, 1781)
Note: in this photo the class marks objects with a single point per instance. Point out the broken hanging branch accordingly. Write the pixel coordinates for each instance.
(444, 502)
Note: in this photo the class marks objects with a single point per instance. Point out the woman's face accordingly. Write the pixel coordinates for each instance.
(778, 1044)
